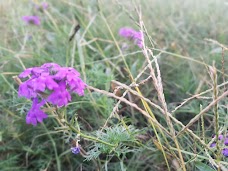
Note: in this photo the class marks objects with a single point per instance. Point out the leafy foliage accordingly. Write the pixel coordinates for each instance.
(123, 137)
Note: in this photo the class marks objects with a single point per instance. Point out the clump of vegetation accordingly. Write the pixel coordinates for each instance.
(113, 85)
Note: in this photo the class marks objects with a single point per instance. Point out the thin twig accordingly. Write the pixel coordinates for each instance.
(198, 95)
(130, 104)
(203, 112)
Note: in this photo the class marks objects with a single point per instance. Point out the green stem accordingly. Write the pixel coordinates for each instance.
(54, 147)
(89, 137)
(202, 125)
(215, 92)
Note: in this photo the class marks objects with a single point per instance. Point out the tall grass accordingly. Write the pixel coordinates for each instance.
(154, 108)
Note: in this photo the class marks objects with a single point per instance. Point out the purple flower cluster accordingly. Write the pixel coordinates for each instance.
(225, 139)
(31, 20)
(133, 35)
(50, 83)
(75, 150)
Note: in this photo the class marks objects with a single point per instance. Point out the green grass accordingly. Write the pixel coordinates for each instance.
(130, 141)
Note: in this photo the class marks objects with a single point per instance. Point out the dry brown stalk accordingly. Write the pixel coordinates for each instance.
(132, 105)
(114, 110)
(203, 112)
(198, 95)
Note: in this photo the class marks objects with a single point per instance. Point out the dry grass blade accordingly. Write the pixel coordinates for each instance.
(197, 95)
(130, 104)
(159, 88)
(217, 43)
(138, 95)
(196, 118)
(124, 94)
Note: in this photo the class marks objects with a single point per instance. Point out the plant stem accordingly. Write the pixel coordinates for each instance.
(215, 96)
(89, 137)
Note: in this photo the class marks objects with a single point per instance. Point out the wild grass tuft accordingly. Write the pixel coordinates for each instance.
(159, 107)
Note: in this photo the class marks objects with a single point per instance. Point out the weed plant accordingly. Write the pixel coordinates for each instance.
(157, 104)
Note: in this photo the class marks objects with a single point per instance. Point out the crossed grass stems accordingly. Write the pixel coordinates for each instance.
(155, 124)
(167, 150)
(149, 115)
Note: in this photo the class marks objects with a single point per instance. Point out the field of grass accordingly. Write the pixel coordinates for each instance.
(158, 107)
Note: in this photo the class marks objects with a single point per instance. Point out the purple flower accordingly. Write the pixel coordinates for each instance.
(75, 150)
(35, 71)
(52, 83)
(31, 20)
(135, 36)
(42, 6)
(25, 73)
(51, 66)
(36, 84)
(66, 72)
(226, 141)
(124, 46)
(220, 138)
(61, 81)
(225, 152)
(213, 145)
(71, 76)
(60, 96)
(26, 91)
(35, 114)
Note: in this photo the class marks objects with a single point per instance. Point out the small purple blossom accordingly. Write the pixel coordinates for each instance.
(26, 91)
(42, 6)
(36, 84)
(60, 96)
(133, 35)
(226, 141)
(213, 145)
(75, 150)
(35, 114)
(51, 66)
(124, 46)
(221, 138)
(52, 83)
(31, 20)
(225, 152)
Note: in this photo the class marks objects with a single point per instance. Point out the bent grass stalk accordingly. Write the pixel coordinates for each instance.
(161, 97)
(193, 120)
(198, 95)
(213, 74)
(160, 109)
(63, 121)
(89, 137)
(145, 113)
(185, 57)
(123, 95)
(146, 107)
(158, 86)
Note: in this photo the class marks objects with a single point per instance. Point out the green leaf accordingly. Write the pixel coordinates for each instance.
(203, 167)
